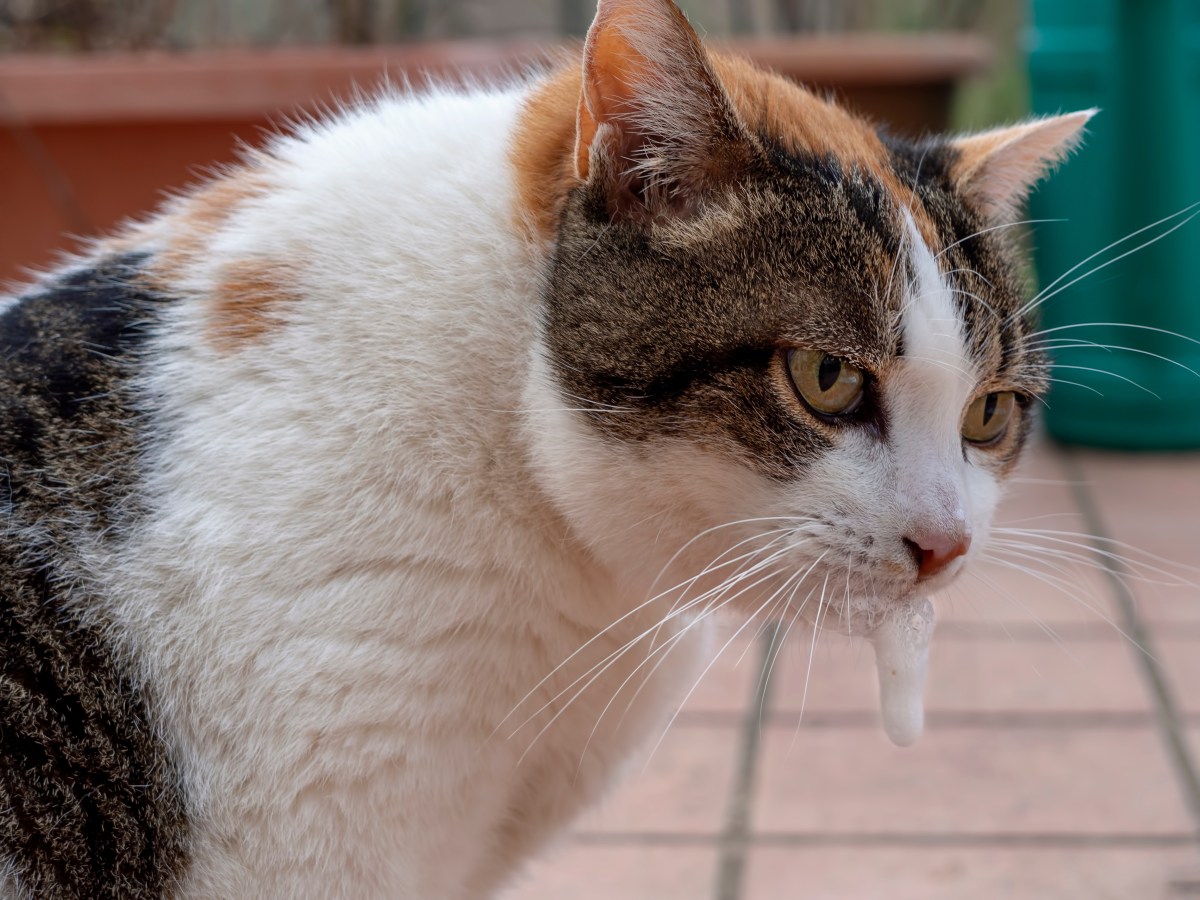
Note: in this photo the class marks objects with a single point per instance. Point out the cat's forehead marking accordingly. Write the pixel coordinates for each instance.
(807, 124)
(929, 318)
(934, 378)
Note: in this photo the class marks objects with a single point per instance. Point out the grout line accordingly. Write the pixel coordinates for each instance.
(731, 862)
(982, 840)
(1000, 631)
(1169, 719)
(1049, 719)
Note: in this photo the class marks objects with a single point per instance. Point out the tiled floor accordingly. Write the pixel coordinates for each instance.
(1059, 760)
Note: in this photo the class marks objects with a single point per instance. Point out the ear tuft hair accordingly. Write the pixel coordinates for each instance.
(654, 123)
(996, 169)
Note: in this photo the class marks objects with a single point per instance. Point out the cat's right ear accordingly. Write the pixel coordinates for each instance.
(655, 128)
(995, 170)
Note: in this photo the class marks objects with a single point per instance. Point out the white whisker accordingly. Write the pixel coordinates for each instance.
(1046, 293)
(632, 612)
(822, 607)
(976, 234)
(597, 671)
(1064, 587)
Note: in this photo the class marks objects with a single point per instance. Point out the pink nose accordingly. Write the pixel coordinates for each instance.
(934, 552)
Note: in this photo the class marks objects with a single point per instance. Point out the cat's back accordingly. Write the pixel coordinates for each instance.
(187, 402)
(78, 756)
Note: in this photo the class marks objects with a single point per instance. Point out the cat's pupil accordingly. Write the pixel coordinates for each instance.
(828, 372)
(989, 407)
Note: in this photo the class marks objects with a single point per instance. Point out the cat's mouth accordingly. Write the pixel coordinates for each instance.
(855, 601)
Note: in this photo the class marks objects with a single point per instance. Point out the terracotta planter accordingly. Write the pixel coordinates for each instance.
(86, 141)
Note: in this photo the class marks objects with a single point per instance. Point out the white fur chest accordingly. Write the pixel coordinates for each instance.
(350, 578)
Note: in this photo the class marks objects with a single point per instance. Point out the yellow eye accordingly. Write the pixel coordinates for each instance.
(988, 416)
(829, 385)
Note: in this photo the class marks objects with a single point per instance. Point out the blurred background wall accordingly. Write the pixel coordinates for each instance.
(106, 104)
(184, 24)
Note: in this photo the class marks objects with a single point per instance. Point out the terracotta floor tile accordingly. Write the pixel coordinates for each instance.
(1045, 591)
(581, 872)
(728, 686)
(972, 676)
(1152, 504)
(1040, 488)
(1086, 781)
(935, 873)
(683, 790)
(1179, 661)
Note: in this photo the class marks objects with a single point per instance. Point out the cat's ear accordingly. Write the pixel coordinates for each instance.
(996, 169)
(655, 128)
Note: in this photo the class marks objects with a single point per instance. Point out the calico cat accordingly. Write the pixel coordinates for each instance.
(366, 507)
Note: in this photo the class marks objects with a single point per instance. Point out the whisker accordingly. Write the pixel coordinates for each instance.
(1046, 293)
(982, 231)
(1046, 629)
(977, 299)
(779, 644)
(751, 521)
(967, 270)
(781, 534)
(812, 651)
(1151, 328)
(1087, 544)
(1078, 384)
(1064, 587)
(724, 647)
(1116, 347)
(1057, 366)
(630, 613)
(703, 615)
(597, 671)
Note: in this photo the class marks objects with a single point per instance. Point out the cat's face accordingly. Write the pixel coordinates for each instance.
(781, 332)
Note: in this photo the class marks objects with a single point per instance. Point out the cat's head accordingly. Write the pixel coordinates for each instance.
(775, 339)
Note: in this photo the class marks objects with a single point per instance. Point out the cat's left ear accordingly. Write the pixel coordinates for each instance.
(996, 169)
(655, 128)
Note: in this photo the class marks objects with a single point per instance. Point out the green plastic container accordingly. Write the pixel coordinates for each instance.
(1139, 61)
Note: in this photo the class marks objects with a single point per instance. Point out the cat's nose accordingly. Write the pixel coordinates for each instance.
(934, 552)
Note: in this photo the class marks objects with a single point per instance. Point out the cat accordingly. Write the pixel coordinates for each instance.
(368, 506)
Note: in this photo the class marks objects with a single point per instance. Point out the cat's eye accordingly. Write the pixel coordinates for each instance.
(988, 417)
(829, 385)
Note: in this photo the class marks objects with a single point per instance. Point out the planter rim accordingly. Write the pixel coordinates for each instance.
(37, 89)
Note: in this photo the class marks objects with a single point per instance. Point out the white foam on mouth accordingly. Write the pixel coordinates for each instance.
(901, 643)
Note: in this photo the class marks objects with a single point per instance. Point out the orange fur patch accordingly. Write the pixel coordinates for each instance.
(194, 220)
(543, 152)
(805, 123)
(245, 304)
(544, 145)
